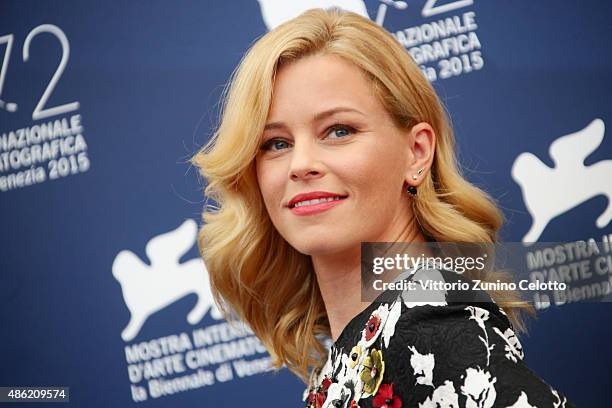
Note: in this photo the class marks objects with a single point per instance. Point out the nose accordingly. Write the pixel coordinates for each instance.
(305, 163)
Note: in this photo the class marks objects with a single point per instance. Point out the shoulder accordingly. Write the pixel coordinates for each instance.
(436, 349)
(454, 321)
(461, 350)
(445, 297)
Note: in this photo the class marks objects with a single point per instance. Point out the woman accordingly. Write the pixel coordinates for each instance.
(328, 131)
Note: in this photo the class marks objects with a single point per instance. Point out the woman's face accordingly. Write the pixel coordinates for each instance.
(327, 132)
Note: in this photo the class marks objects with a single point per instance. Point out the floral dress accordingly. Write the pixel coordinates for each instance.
(446, 351)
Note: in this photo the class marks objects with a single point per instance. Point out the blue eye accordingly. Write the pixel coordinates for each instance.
(349, 130)
(276, 144)
(268, 145)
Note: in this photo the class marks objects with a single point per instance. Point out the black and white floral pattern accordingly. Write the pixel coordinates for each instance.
(431, 351)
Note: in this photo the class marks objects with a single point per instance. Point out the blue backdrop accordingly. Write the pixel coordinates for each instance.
(102, 104)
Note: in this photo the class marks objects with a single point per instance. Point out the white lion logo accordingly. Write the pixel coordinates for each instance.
(549, 192)
(150, 288)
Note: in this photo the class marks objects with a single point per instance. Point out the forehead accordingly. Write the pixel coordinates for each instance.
(318, 82)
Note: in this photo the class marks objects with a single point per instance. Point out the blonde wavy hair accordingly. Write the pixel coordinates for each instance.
(258, 277)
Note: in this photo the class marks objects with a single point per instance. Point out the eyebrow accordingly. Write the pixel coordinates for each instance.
(319, 116)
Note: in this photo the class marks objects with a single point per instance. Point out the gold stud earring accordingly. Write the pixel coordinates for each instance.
(412, 189)
(414, 177)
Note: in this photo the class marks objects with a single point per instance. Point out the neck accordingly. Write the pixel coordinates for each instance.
(339, 280)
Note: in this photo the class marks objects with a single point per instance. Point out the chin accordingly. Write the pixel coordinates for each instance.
(315, 248)
(321, 247)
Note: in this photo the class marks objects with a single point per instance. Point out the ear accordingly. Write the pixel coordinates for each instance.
(422, 144)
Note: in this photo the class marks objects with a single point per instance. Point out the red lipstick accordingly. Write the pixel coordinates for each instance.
(312, 208)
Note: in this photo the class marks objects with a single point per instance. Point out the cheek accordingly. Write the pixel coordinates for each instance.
(376, 177)
(371, 170)
(270, 184)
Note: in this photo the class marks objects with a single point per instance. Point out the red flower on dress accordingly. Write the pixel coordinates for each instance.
(320, 399)
(316, 399)
(354, 404)
(372, 327)
(384, 398)
(311, 400)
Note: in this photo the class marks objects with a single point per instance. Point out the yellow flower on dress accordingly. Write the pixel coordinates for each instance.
(373, 370)
(354, 356)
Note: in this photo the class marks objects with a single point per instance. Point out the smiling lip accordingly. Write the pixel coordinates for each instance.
(314, 208)
(311, 196)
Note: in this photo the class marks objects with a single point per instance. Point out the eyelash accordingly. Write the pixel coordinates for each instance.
(267, 145)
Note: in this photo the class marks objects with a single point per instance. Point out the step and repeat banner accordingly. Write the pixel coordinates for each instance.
(103, 103)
